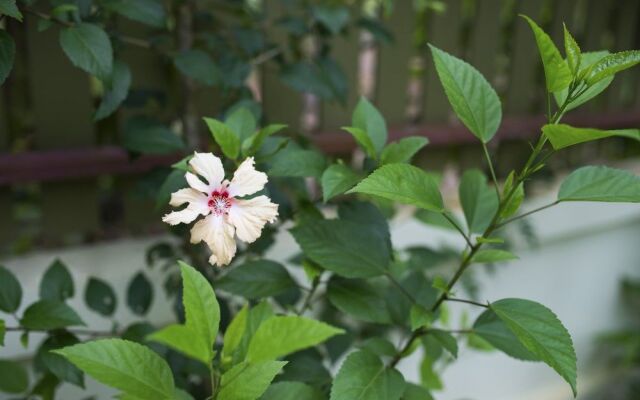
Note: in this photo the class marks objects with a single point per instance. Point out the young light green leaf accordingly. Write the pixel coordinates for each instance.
(364, 376)
(540, 332)
(139, 294)
(9, 8)
(7, 55)
(363, 140)
(359, 299)
(612, 64)
(48, 315)
(100, 297)
(14, 377)
(587, 60)
(367, 118)
(492, 329)
(197, 65)
(515, 201)
(556, 71)
(10, 291)
(233, 334)
(600, 184)
(282, 335)
(292, 391)
(572, 51)
(492, 256)
(201, 306)
(89, 48)
(337, 179)
(562, 135)
(117, 91)
(403, 150)
(248, 381)
(228, 140)
(257, 279)
(126, 366)
(184, 339)
(350, 249)
(403, 183)
(479, 200)
(150, 12)
(473, 99)
(256, 316)
(56, 283)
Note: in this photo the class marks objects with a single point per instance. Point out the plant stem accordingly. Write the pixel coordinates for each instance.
(493, 172)
(475, 303)
(307, 300)
(87, 332)
(526, 214)
(457, 227)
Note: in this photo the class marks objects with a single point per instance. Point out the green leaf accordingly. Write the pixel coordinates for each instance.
(282, 335)
(292, 391)
(182, 338)
(126, 366)
(363, 140)
(7, 54)
(10, 291)
(56, 283)
(364, 376)
(139, 294)
(367, 118)
(379, 346)
(234, 333)
(100, 297)
(600, 184)
(3, 331)
(248, 381)
(89, 48)
(492, 256)
(197, 65)
(147, 136)
(403, 150)
(447, 341)
(337, 179)
(59, 366)
(492, 329)
(359, 299)
(253, 143)
(416, 392)
(48, 315)
(350, 249)
(587, 59)
(479, 200)
(562, 135)
(612, 64)
(540, 331)
(298, 162)
(242, 122)
(333, 17)
(403, 183)
(473, 99)
(257, 279)
(419, 317)
(228, 140)
(513, 203)
(556, 71)
(150, 12)
(572, 50)
(255, 318)
(9, 8)
(117, 91)
(14, 377)
(201, 306)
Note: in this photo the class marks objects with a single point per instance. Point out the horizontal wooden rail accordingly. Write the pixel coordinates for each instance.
(67, 164)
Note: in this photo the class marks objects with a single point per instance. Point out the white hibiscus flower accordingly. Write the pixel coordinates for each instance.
(225, 214)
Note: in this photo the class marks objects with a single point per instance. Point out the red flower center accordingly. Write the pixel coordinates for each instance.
(219, 202)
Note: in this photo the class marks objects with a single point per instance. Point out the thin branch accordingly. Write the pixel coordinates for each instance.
(458, 228)
(307, 300)
(266, 56)
(475, 303)
(84, 332)
(401, 288)
(493, 171)
(523, 215)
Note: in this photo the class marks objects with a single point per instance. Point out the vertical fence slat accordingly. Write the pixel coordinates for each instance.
(622, 90)
(485, 39)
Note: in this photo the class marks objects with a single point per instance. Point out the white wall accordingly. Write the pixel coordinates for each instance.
(585, 250)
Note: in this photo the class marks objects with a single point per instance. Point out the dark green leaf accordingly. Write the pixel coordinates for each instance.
(126, 366)
(600, 184)
(116, 92)
(248, 381)
(197, 65)
(89, 48)
(402, 150)
(472, 98)
(3, 331)
(350, 249)
(228, 140)
(241, 121)
(334, 18)
(257, 279)
(139, 294)
(150, 12)
(55, 363)
(403, 183)
(7, 54)
(562, 135)
(100, 297)
(416, 392)
(367, 118)
(337, 179)
(479, 200)
(447, 341)
(491, 328)
(56, 283)
(147, 136)
(48, 315)
(364, 376)
(14, 377)
(359, 299)
(297, 162)
(253, 143)
(10, 291)
(9, 8)
(292, 391)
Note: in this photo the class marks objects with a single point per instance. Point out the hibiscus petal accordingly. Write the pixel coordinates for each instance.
(218, 234)
(187, 195)
(196, 183)
(250, 216)
(182, 217)
(209, 167)
(246, 180)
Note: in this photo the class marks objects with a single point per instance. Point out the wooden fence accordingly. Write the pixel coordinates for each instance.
(63, 178)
